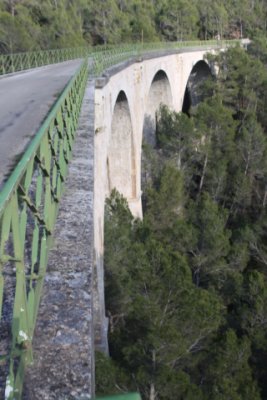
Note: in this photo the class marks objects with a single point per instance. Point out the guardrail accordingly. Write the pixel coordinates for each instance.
(129, 396)
(28, 208)
(114, 55)
(10, 63)
(30, 198)
(103, 59)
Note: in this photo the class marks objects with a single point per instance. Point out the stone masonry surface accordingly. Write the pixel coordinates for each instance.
(63, 365)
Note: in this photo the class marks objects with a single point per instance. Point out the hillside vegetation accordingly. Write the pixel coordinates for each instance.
(44, 24)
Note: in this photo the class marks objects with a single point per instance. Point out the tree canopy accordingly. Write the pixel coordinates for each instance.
(31, 24)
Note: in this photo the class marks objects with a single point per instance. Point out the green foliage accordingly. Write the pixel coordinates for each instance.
(174, 136)
(212, 241)
(159, 317)
(32, 24)
(118, 239)
(229, 373)
(165, 200)
(177, 20)
(14, 33)
(109, 378)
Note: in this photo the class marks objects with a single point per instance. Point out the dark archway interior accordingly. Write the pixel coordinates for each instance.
(187, 102)
(159, 76)
(121, 97)
(193, 92)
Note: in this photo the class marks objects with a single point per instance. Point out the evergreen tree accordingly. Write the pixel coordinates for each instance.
(229, 374)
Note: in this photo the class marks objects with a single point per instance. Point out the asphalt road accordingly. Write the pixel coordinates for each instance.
(25, 100)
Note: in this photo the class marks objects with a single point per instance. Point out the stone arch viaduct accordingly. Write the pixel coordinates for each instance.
(126, 101)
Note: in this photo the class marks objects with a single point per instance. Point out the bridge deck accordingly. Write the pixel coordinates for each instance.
(25, 99)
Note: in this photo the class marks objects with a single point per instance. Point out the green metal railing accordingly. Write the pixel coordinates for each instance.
(29, 199)
(28, 208)
(130, 396)
(102, 59)
(115, 55)
(22, 61)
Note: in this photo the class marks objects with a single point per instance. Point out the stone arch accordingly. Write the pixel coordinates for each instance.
(193, 95)
(159, 93)
(121, 162)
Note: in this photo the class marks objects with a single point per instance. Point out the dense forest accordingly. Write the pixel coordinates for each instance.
(44, 24)
(186, 292)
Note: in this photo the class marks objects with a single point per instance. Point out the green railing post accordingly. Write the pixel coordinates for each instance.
(12, 63)
(129, 396)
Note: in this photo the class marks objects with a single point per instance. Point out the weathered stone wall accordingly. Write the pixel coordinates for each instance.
(63, 341)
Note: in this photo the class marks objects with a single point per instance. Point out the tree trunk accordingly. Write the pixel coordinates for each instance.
(203, 173)
(264, 198)
(152, 395)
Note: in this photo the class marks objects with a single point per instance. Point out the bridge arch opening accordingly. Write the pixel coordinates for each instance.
(121, 154)
(159, 93)
(193, 91)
